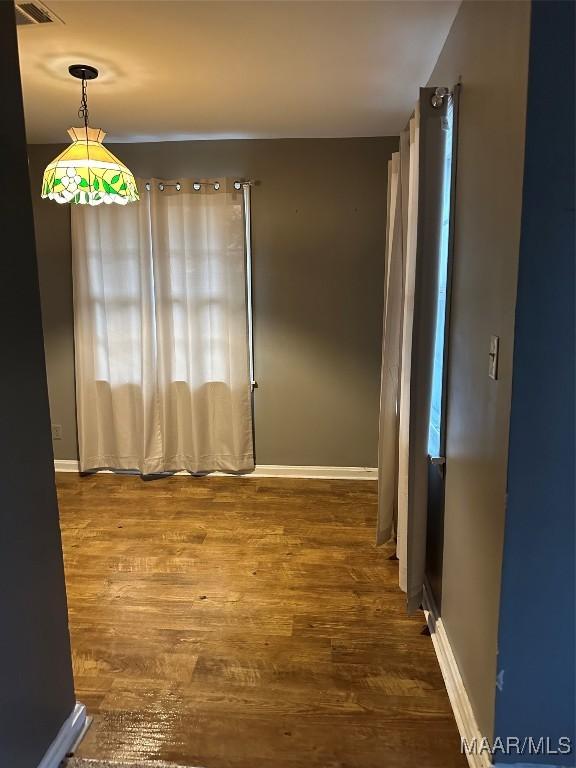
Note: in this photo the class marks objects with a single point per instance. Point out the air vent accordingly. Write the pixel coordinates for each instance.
(35, 13)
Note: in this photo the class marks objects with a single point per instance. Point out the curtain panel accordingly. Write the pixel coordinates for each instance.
(161, 337)
(412, 261)
(391, 360)
(397, 344)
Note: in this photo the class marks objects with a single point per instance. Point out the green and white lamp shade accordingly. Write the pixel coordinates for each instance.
(87, 173)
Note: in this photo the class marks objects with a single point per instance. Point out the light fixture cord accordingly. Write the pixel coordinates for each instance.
(83, 110)
(83, 115)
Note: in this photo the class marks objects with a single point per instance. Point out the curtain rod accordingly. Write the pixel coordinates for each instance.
(197, 185)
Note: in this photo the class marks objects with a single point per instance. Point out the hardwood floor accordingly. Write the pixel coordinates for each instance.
(246, 623)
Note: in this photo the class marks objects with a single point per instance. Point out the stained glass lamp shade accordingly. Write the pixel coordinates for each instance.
(87, 173)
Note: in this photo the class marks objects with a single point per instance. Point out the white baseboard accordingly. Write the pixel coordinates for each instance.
(321, 473)
(270, 470)
(66, 465)
(66, 738)
(457, 694)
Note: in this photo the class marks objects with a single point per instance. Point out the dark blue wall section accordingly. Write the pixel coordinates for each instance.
(36, 685)
(536, 636)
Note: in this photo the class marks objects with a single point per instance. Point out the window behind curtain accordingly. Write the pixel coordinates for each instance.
(435, 424)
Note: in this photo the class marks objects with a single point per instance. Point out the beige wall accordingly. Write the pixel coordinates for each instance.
(319, 223)
(488, 47)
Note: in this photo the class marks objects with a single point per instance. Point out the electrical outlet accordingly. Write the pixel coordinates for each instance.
(56, 431)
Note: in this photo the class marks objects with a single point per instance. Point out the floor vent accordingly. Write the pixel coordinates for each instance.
(35, 13)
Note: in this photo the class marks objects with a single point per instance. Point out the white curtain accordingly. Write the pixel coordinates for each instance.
(396, 353)
(391, 357)
(161, 337)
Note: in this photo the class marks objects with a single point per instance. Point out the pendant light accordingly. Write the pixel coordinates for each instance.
(86, 172)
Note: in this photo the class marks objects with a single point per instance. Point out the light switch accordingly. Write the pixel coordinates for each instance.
(493, 357)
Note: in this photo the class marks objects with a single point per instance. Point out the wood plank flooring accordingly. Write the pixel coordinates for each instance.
(246, 623)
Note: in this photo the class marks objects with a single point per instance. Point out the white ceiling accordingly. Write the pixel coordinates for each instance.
(180, 69)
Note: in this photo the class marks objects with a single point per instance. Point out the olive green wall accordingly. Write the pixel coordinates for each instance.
(319, 225)
(488, 48)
